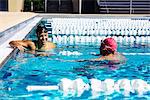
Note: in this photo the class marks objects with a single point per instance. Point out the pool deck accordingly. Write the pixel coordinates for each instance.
(9, 20)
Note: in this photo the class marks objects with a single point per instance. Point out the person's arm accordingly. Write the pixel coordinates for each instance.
(23, 44)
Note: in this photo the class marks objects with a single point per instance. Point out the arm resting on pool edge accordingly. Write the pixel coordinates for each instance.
(22, 45)
(27, 46)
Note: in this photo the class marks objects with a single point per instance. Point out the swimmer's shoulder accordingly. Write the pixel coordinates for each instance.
(121, 57)
(51, 45)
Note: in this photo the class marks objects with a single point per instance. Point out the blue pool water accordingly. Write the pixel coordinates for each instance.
(23, 70)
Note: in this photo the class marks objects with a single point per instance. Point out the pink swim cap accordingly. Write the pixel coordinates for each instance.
(109, 43)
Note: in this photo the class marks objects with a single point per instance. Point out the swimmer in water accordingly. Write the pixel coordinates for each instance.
(41, 44)
(108, 51)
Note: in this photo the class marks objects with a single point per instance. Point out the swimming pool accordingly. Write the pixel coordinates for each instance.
(23, 70)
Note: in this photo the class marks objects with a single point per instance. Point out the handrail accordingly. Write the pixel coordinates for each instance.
(131, 5)
(126, 8)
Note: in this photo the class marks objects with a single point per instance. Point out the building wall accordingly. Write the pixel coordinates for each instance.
(15, 5)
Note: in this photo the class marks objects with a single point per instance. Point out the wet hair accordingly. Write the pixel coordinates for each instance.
(40, 29)
(106, 51)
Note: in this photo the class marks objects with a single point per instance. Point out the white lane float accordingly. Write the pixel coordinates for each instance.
(140, 86)
(107, 87)
(69, 53)
(123, 86)
(68, 87)
(96, 87)
(76, 53)
(143, 54)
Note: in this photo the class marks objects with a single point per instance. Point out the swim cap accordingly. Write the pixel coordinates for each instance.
(109, 43)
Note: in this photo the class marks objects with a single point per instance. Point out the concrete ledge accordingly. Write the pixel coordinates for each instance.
(52, 15)
(10, 19)
(5, 49)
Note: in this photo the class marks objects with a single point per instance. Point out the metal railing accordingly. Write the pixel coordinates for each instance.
(124, 6)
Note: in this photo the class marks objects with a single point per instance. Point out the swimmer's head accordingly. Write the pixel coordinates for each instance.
(42, 34)
(108, 46)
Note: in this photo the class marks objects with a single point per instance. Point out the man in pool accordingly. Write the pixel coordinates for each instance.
(108, 51)
(42, 44)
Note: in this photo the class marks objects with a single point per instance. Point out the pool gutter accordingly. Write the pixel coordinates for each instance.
(123, 16)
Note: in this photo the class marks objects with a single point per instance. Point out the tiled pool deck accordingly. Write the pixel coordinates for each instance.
(14, 26)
